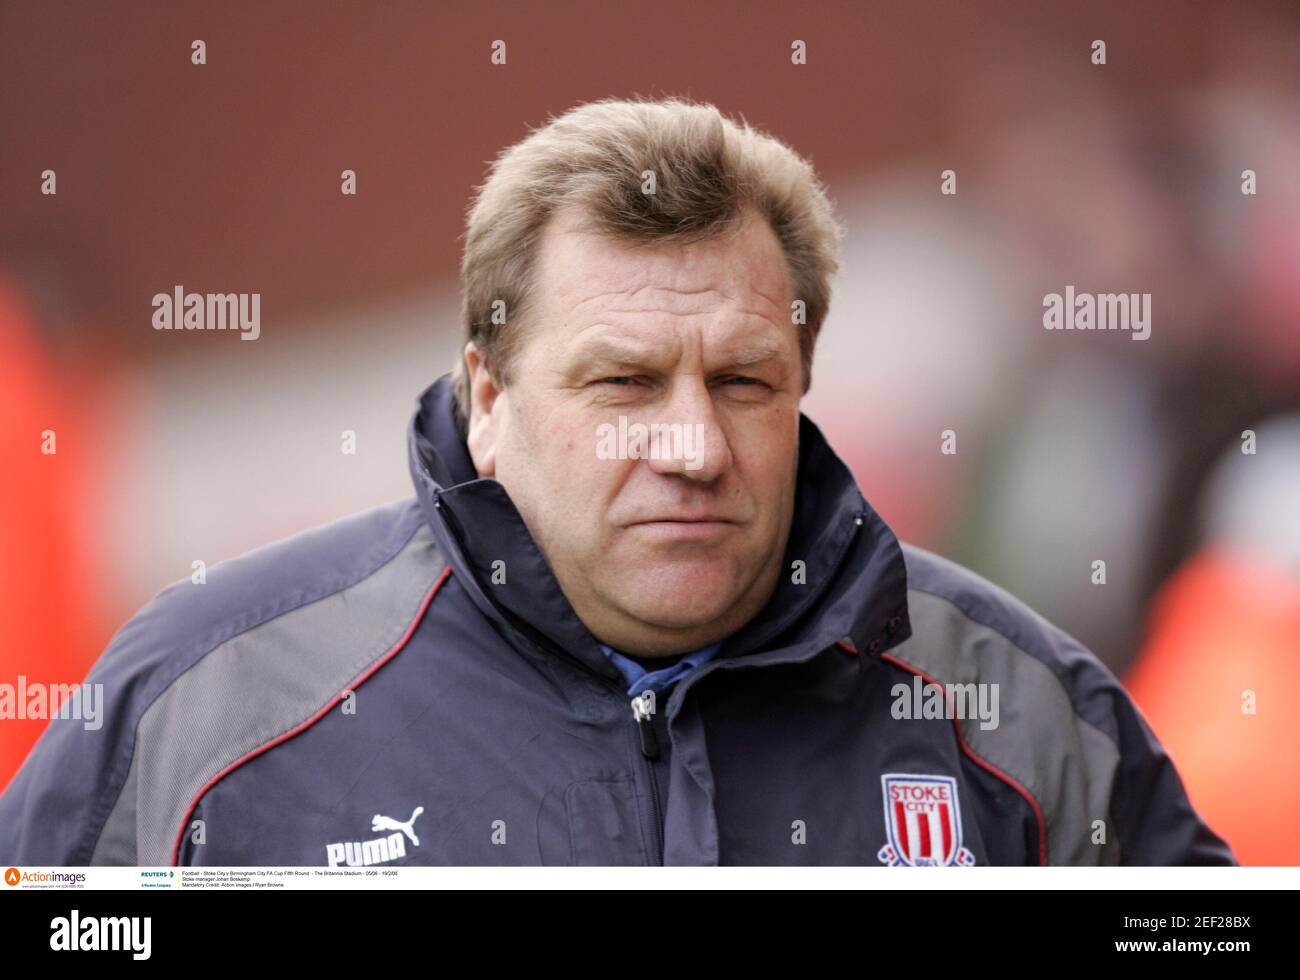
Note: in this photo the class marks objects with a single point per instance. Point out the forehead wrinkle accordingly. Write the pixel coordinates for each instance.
(632, 351)
(776, 305)
(632, 302)
(757, 354)
(618, 347)
(774, 317)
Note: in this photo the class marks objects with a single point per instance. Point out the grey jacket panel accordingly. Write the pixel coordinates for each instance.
(1068, 733)
(79, 798)
(261, 685)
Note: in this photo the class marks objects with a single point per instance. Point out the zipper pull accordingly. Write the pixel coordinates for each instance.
(643, 706)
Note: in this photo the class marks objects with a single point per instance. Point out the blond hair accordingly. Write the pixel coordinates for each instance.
(707, 170)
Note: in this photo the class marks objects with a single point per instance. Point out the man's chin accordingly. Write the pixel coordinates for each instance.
(683, 602)
(680, 595)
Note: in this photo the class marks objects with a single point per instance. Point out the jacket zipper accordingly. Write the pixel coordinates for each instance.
(643, 709)
(648, 740)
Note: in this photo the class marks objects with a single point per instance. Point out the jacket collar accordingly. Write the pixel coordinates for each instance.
(853, 584)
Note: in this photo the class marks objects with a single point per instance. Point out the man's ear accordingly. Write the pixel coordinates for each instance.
(483, 429)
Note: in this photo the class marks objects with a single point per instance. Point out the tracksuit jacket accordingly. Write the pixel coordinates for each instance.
(409, 686)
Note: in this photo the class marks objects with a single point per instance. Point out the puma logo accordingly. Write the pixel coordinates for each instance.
(388, 823)
(359, 854)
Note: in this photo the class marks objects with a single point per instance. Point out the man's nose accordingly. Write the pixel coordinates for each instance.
(692, 440)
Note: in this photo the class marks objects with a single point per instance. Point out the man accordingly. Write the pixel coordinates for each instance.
(637, 611)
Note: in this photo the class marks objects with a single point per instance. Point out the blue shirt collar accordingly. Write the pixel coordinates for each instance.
(640, 680)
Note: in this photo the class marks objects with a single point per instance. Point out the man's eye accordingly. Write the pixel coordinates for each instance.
(742, 380)
(618, 380)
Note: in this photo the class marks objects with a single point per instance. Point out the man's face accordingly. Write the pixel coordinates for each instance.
(656, 555)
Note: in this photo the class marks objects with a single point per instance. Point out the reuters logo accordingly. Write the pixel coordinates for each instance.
(12, 877)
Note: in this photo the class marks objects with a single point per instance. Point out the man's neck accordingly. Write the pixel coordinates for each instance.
(655, 661)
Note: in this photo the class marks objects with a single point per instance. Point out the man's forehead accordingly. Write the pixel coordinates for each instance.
(584, 270)
(640, 343)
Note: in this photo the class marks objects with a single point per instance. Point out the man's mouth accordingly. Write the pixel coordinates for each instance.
(684, 528)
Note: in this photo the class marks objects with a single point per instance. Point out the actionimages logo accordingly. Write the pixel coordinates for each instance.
(15, 877)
